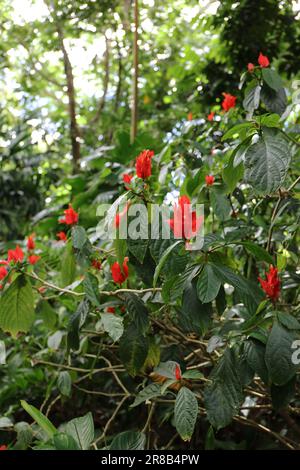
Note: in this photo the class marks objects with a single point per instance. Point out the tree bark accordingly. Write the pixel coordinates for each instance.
(74, 128)
(134, 109)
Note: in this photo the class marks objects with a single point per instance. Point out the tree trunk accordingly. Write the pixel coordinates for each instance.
(105, 82)
(74, 128)
(134, 109)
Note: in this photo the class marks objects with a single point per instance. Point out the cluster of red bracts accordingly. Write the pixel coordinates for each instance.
(185, 223)
(17, 256)
(271, 285)
(262, 60)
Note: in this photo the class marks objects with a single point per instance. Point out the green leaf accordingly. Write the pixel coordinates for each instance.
(138, 248)
(17, 307)
(279, 354)
(68, 266)
(272, 78)
(138, 312)
(223, 397)
(167, 369)
(151, 391)
(251, 100)
(208, 284)
(82, 430)
(192, 374)
(77, 319)
(195, 316)
(287, 320)
(281, 396)
(79, 237)
(220, 204)
(275, 101)
(236, 130)
(129, 440)
(267, 161)
(133, 349)
(112, 324)
(185, 413)
(259, 253)
(24, 435)
(232, 174)
(64, 383)
(41, 419)
(255, 357)
(91, 289)
(63, 441)
(163, 260)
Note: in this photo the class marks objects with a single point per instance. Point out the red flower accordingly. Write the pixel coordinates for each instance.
(3, 447)
(209, 179)
(71, 216)
(177, 372)
(111, 310)
(33, 259)
(228, 101)
(184, 223)
(3, 272)
(3, 261)
(30, 242)
(190, 116)
(118, 275)
(120, 215)
(15, 255)
(127, 179)
(62, 236)
(96, 264)
(143, 164)
(271, 285)
(250, 67)
(263, 60)
(211, 115)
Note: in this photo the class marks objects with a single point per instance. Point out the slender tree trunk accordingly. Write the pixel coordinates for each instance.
(105, 82)
(74, 128)
(134, 109)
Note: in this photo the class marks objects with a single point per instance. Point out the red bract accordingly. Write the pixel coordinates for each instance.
(3, 272)
(71, 216)
(30, 242)
(228, 101)
(190, 116)
(33, 259)
(177, 372)
(118, 275)
(15, 255)
(96, 264)
(185, 224)
(62, 236)
(120, 215)
(111, 310)
(209, 179)
(211, 115)
(143, 164)
(127, 179)
(250, 67)
(3, 447)
(3, 261)
(271, 285)
(263, 60)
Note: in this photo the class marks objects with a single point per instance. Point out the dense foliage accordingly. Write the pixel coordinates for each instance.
(143, 343)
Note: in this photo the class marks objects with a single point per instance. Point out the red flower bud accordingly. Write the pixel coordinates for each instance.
(250, 67)
(3, 447)
(263, 61)
(62, 236)
(71, 216)
(228, 101)
(185, 224)
(3, 272)
(177, 372)
(111, 310)
(30, 242)
(209, 179)
(143, 164)
(127, 179)
(118, 275)
(96, 264)
(190, 116)
(33, 259)
(271, 285)
(211, 116)
(15, 255)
